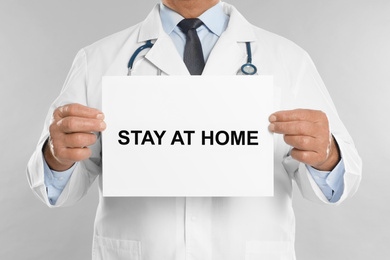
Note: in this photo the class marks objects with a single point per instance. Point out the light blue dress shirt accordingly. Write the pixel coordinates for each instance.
(55, 182)
(215, 22)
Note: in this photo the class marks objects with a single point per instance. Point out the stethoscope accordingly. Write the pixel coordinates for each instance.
(247, 69)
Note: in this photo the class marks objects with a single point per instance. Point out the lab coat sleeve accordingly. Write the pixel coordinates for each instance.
(310, 92)
(73, 91)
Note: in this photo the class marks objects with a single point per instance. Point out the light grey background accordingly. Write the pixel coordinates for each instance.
(349, 40)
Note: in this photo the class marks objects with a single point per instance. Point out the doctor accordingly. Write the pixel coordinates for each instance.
(312, 147)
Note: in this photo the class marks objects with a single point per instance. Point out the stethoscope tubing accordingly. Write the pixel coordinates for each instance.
(247, 69)
(147, 45)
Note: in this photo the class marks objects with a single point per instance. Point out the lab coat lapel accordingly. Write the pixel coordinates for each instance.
(163, 55)
(229, 53)
(118, 66)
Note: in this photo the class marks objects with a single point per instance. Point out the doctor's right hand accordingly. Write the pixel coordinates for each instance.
(70, 134)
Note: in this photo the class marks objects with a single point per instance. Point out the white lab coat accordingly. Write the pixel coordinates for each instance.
(198, 228)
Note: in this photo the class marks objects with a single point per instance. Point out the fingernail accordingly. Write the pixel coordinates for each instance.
(103, 125)
(272, 118)
(100, 116)
(271, 127)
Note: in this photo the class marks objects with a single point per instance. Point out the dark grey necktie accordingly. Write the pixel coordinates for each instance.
(193, 54)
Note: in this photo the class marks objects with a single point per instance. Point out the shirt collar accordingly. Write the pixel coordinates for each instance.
(214, 19)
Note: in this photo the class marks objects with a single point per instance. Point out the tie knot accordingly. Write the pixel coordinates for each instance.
(187, 24)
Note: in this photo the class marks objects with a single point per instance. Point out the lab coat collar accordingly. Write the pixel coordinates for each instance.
(163, 54)
(229, 52)
(238, 28)
(151, 27)
(226, 57)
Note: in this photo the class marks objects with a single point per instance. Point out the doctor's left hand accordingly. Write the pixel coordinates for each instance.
(308, 132)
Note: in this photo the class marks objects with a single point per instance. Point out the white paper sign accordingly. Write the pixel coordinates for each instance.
(187, 136)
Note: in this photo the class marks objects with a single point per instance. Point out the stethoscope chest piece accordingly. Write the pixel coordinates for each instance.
(249, 69)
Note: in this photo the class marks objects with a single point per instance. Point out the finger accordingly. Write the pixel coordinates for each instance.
(79, 140)
(68, 155)
(80, 125)
(307, 157)
(298, 115)
(78, 110)
(302, 142)
(295, 128)
(75, 154)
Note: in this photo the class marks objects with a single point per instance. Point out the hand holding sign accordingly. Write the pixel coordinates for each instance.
(308, 132)
(70, 134)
